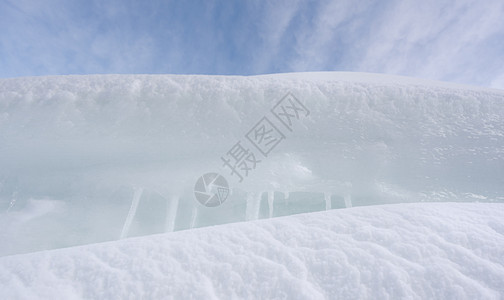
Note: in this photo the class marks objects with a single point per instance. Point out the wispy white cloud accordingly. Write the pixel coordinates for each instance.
(333, 29)
(275, 22)
(448, 40)
(56, 37)
(459, 41)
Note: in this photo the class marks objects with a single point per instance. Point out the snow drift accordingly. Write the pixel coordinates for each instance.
(413, 251)
(85, 159)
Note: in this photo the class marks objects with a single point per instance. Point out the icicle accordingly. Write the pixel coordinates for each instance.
(132, 211)
(271, 199)
(327, 198)
(253, 205)
(171, 214)
(194, 217)
(348, 201)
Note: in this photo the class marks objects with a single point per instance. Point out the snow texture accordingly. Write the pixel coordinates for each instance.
(397, 251)
(86, 159)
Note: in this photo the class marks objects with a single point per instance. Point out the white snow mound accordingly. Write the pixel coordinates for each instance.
(87, 159)
(399, 251)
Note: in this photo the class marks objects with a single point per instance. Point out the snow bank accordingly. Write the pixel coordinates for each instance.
(400, 251)
(98, 158)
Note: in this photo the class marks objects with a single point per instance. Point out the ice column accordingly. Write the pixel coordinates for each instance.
(132, 211)
(171, 213)
(253, 205)
(348, 200)
(327, 198)
(271, 199)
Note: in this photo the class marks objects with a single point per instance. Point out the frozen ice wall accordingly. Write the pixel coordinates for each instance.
(93, 158)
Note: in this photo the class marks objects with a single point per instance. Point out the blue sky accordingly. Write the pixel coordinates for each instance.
(460, 41)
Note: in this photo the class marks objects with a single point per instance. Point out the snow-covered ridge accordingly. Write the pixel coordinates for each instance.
(413, 251)
(95, 158)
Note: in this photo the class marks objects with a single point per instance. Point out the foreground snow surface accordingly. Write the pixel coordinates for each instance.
(408, 251)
